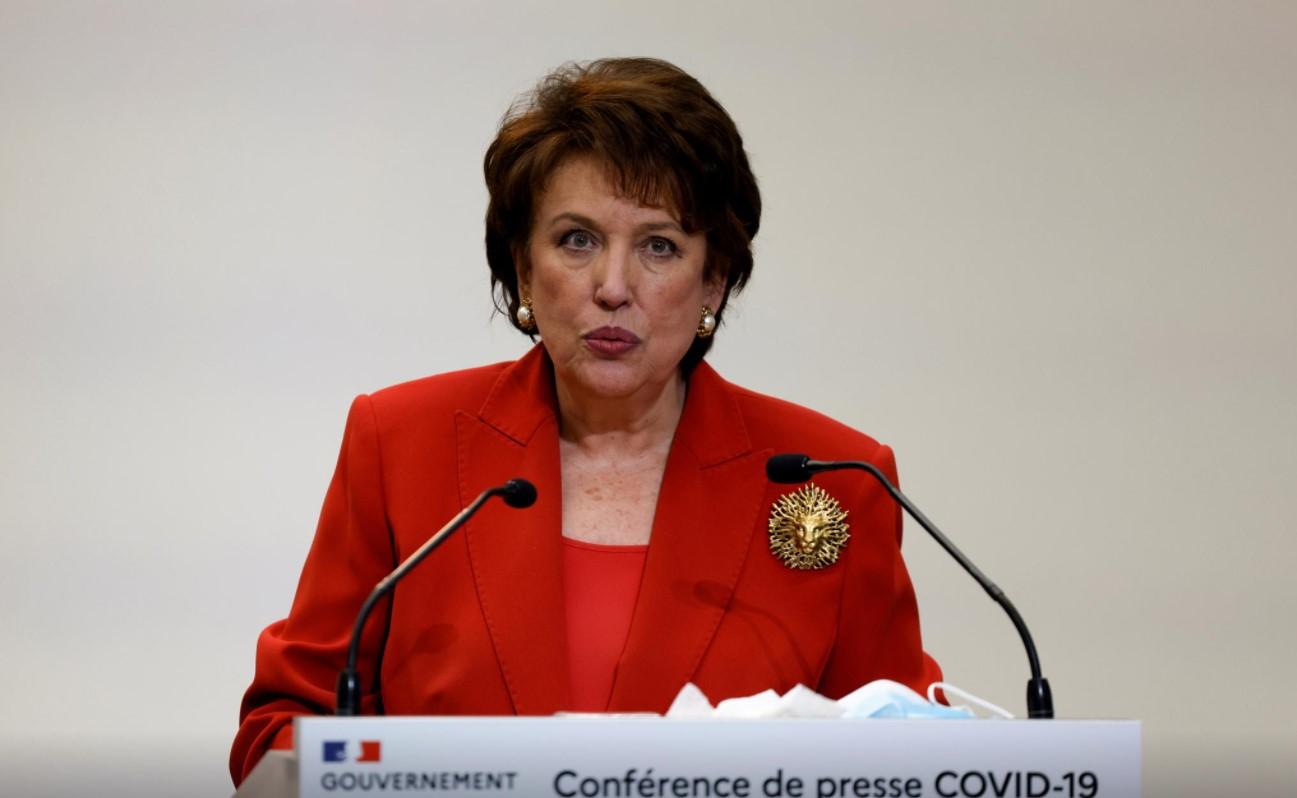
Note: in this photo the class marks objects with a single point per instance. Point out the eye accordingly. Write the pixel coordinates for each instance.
(577, 239)
(659, 247)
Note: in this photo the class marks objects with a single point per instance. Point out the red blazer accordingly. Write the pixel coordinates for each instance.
(478, 627)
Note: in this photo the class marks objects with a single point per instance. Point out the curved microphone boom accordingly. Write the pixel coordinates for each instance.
(518, 493)
(797, 468)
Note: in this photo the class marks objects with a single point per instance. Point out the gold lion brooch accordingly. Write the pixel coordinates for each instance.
(808, 529)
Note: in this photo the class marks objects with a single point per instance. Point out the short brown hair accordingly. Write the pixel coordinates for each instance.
(665, 141)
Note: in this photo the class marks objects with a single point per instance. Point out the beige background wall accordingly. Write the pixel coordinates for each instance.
(1045, 250)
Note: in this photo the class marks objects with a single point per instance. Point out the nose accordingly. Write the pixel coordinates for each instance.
(612, 278)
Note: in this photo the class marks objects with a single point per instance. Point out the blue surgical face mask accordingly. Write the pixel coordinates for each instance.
(887, 699)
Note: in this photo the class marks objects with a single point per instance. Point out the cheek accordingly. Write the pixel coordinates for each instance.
(687, 294)
(680, 307)
(553, 289)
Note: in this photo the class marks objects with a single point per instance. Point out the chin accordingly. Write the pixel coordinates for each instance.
(611, 379)
(610, 388)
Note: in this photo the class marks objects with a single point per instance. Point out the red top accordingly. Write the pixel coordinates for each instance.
(600, 585)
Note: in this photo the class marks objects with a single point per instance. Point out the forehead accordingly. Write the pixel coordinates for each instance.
(590, 187)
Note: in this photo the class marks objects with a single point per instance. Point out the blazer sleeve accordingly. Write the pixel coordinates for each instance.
(299, 657)
(878, 625)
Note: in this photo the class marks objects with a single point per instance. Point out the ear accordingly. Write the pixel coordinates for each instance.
(522, 268)
(714, 292)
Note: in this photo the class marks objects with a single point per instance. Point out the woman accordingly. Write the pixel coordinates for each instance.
(621, 217)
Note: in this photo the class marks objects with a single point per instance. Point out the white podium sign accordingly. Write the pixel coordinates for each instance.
(591, 757)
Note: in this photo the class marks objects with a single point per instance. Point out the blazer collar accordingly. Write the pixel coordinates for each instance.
(696, 550)
(523, 398)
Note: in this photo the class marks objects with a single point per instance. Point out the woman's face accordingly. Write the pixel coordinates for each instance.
(617, 287)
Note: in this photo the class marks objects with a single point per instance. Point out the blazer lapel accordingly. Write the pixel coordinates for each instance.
(708, 506)
(707, 509)
(516, 555)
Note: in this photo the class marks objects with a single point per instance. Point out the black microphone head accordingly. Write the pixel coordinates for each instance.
(518, 493)
(788, 469)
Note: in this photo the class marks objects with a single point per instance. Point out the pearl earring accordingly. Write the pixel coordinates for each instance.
(526, 319)
(707, 324)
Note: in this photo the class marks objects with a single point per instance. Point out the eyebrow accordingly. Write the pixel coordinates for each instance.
(586, 221)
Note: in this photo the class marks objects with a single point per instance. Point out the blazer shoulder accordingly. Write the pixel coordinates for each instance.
(784, 426)
(439, 395)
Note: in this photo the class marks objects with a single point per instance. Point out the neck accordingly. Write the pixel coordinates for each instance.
(641, 422)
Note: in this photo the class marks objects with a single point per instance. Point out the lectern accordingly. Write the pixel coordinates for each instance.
(653, 757)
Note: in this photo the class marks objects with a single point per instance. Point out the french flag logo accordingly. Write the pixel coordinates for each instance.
(336, 751)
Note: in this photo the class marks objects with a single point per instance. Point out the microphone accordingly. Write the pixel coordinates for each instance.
(518, 493)
(797, 468)
(788, 469)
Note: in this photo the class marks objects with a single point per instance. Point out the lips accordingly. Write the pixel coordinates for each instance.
(611, 340)
(612, 334)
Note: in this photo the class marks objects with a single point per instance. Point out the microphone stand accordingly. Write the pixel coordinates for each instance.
(516, 493)
(1040, 699)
